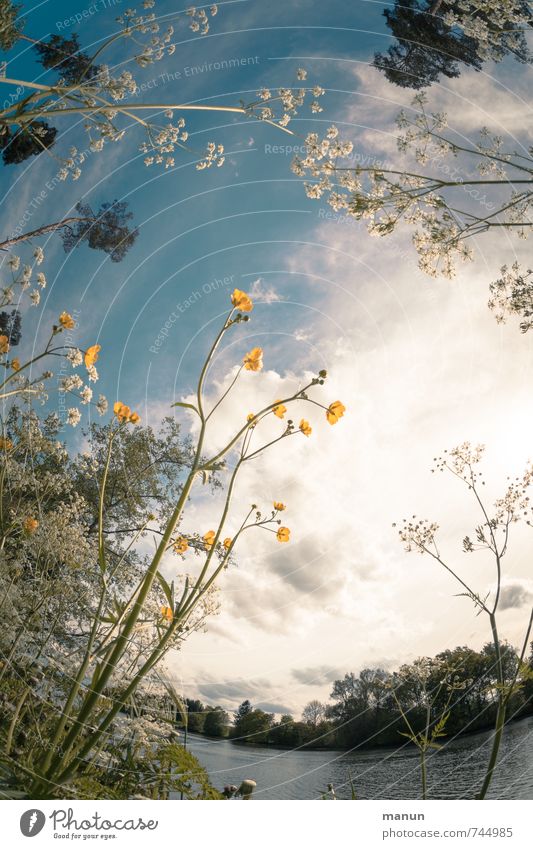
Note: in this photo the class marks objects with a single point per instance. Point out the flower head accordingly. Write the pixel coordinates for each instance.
(181, 545)
(166, 613)
(135, 418)
(209, 538)
(279, 410)
(306, 428)
(66, 321)
(227, 543)
(15, 364)
(121, 411)
(241, 301)
(283, 534)
(75, 357)
(91, 355)
(30, 525)
(73, 416)
(5, 444)
(335, 412)
(253, 361)
(4, 344)
(279, 506)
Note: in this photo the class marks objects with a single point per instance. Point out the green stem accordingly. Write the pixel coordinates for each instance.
(500, 716)
(423, 770)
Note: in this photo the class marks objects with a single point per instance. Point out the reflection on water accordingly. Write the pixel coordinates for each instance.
(455, 772)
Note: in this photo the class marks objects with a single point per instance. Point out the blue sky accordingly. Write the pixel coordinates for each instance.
(420, 363)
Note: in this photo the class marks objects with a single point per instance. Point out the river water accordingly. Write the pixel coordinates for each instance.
(455, 772)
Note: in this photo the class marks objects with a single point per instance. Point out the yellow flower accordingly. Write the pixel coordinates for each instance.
(253, 360)
(279, 410)
(250, 417)
(15, 364)
(283, 534)
(30, 525)
(91, 355)
(305, 428)
(166, 613)
(334, 412)
(135, 418)
(66, 321)
(227, 542)
(278, 505)
(122, 412)
(5, 444)
(209, 538)
(4, 344)
(181, 545)
(241, 301)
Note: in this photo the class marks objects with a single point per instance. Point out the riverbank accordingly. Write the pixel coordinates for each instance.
(362, 745)
(455, 772)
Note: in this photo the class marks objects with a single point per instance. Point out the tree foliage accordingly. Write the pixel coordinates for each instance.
(10, 24)
(11, 326)
(106, 230)
(28, 140)
(435, 37)
(65, 56)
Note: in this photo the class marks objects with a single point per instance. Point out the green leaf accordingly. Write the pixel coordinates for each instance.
(168, 590)
(187, 406)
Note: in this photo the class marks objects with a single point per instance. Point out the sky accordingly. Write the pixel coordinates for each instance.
(420, 363)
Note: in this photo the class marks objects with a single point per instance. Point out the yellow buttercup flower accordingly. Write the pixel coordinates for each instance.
(166, 613)
(124, 414)
(227, 542)
(305, 428)
(66, 321)
(91, 355)
(4, 344)
(250, 417)
(209, 538)
(283, 534)
(181, 545)
(241, 301)
(279, 410)
(30, 525)
(121, 411)
(15, 363)
(253, 361)
(335, 412)
(278, 505)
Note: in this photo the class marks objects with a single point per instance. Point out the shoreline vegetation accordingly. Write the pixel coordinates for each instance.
(371, 710)
(366, 747)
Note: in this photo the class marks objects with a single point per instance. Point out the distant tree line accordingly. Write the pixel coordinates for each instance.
(364, 708)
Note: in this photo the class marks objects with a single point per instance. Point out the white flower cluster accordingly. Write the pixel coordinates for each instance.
(289, 99)
(200, 20)
(385, 198)
(22, 277)
(214, 156)
(158, 45)
(163, 141)
(418, 534)
(461, 461)
(512, 295)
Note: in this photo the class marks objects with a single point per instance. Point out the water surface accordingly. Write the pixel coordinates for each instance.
(455, 772)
